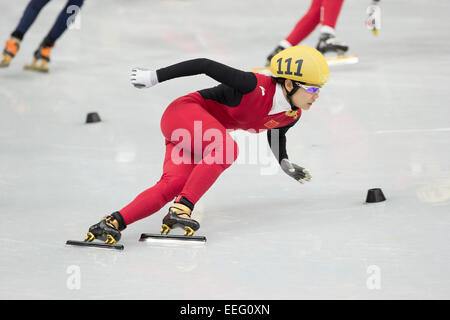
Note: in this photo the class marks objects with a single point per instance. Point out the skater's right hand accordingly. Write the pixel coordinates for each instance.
(373, 21)
(143, 78)
(298, 173)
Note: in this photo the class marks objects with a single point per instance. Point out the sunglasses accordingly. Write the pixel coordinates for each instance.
(309, 89)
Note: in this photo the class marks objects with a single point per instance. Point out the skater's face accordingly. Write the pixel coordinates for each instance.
(303, 98)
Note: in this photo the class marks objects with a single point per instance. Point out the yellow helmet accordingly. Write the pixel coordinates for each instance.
(301, 63)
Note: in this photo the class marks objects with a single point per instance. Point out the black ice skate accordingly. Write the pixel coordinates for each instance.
(273, 54)
(107, 230)
(179, 216)
(334, 50)
(328, 43)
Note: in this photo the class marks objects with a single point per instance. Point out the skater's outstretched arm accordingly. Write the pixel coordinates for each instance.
(277, 143)
(242, 81)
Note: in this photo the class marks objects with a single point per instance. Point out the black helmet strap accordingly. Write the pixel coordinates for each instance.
(290, 94)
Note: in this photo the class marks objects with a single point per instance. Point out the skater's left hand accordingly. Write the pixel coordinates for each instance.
(373, 21)
(298, 173)
(143, 78)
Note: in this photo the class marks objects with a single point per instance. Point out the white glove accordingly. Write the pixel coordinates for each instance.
(373, 21)
(143, 78)
(298, 173)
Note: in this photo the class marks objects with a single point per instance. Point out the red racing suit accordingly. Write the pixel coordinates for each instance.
(242, 100)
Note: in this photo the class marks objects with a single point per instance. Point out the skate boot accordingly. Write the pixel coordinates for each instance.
(328, 43)
(274, 52)
(10, 51)
(41, 58)
(108, 229)
(180, 216)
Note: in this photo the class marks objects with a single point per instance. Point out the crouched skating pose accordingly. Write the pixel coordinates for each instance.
(243, 100)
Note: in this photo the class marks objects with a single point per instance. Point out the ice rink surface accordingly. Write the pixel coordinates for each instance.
(384, 123)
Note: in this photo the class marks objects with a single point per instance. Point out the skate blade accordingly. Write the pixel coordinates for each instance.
(264, 70)
(94, 244)
(35, 67)
(172, 239)
(332, 61)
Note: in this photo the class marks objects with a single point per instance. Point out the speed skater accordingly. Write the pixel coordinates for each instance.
(325, 13)
(42, 53)
(242, 101)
